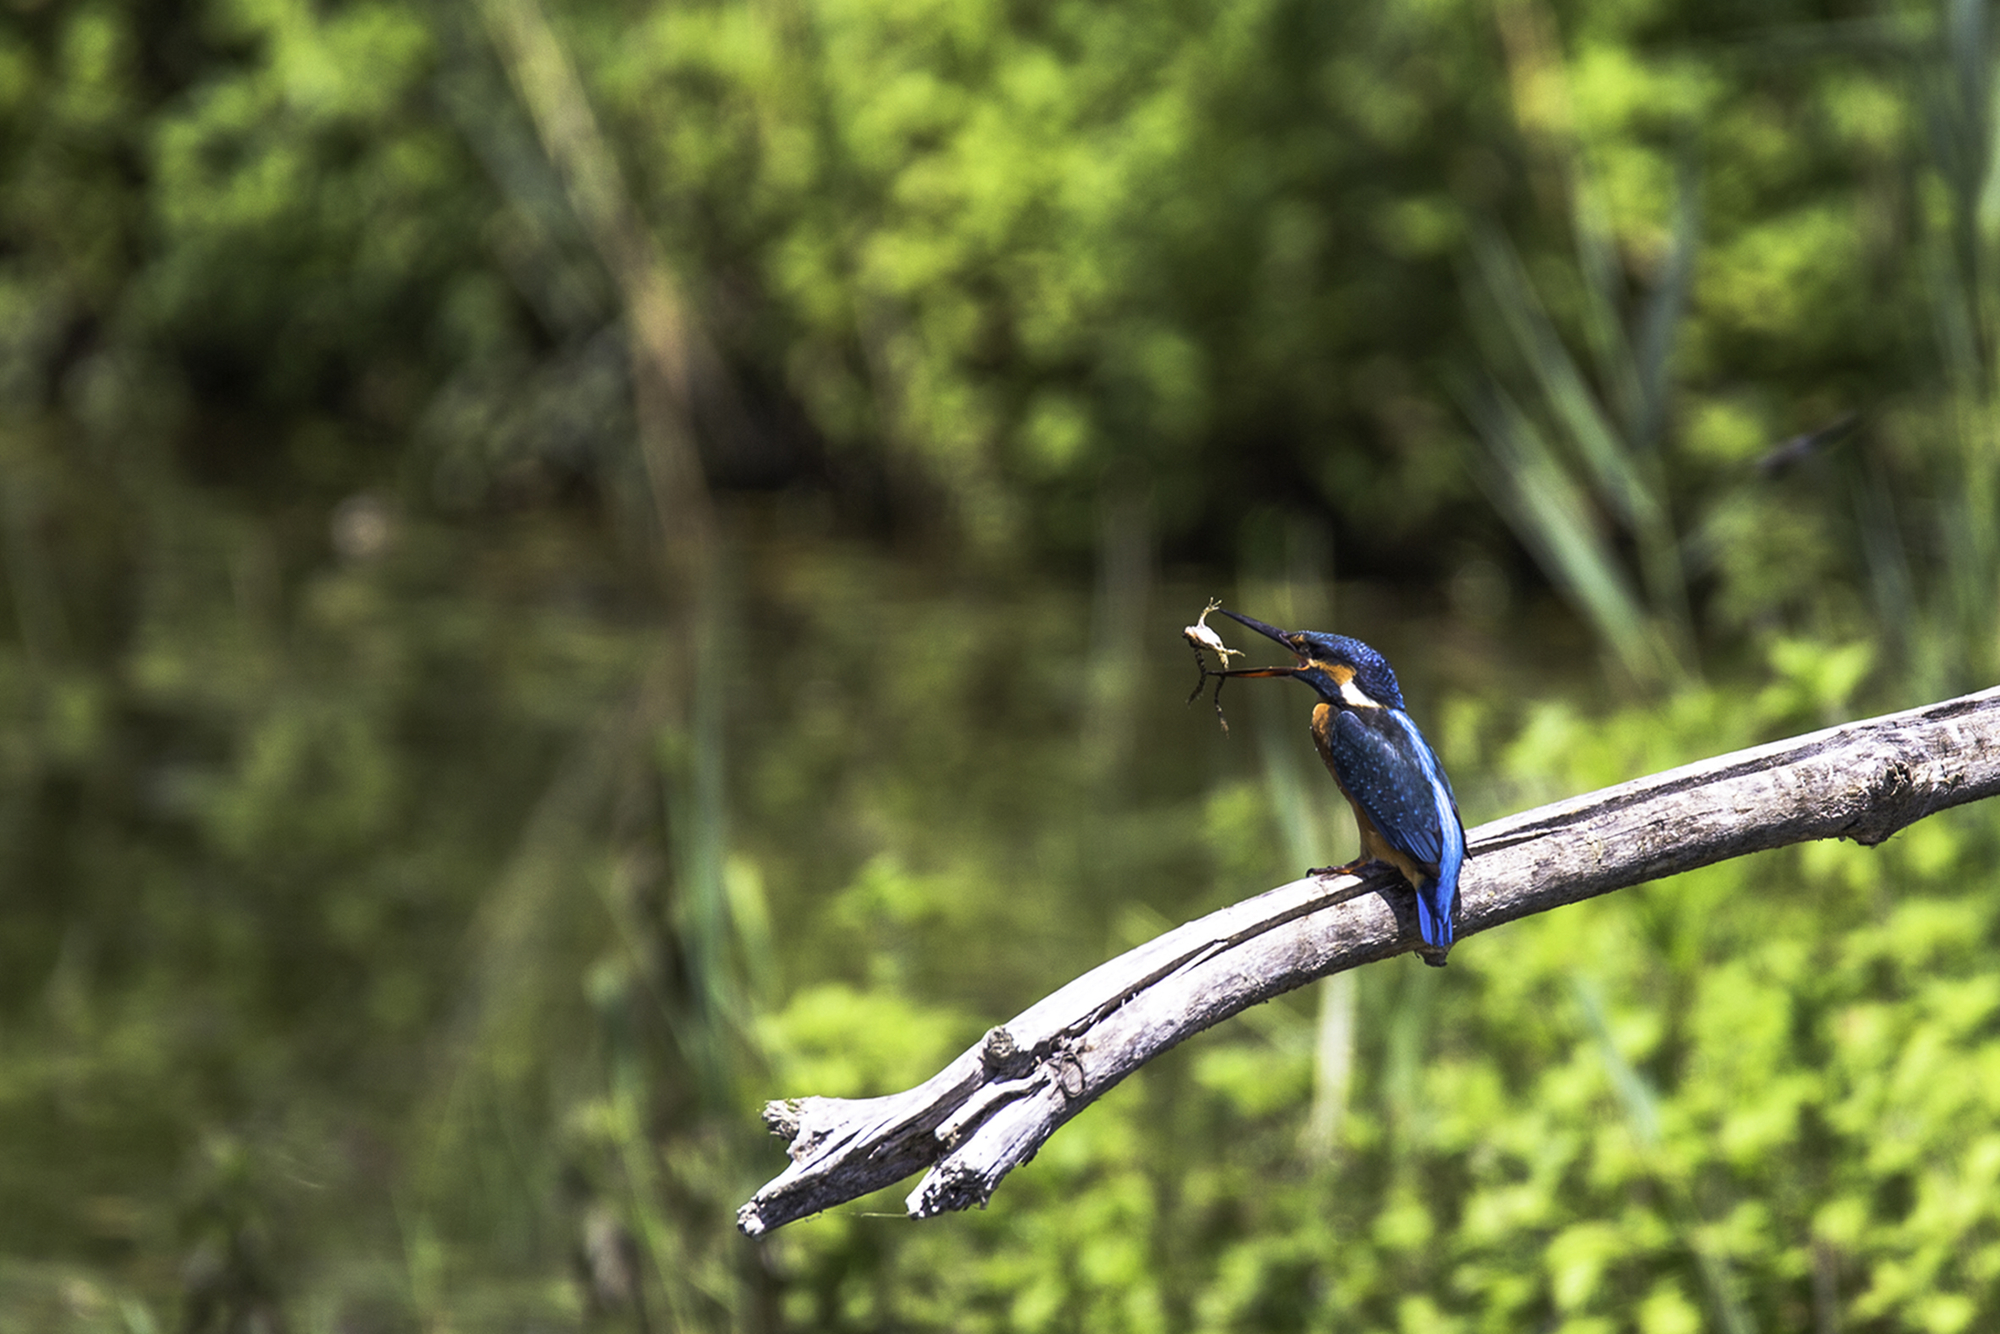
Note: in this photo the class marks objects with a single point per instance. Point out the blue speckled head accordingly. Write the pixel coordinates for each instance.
(1321, 656)
(1343, 670)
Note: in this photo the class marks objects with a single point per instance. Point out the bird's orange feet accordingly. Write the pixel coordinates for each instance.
(1350, 868)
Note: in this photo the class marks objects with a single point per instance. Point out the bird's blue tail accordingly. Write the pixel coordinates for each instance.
(1437, 898)
(1434, 914)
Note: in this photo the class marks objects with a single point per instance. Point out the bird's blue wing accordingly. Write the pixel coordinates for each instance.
(1393, 775)
(1390, 771)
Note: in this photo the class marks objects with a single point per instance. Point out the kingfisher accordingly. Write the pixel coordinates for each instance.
(1389, 774)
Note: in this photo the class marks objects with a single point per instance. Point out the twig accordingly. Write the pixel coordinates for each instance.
(990, 1110)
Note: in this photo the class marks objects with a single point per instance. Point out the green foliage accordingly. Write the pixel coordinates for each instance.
(991, 252)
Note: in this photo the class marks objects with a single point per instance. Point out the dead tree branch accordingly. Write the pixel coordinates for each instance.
(990, 1110)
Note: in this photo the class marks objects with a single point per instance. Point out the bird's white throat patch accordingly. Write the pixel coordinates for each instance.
(1356, 697)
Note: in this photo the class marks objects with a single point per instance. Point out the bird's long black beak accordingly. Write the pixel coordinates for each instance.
(1269, 631)
(1260, 671)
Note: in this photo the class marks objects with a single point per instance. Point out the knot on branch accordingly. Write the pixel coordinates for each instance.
(781, 1117)
(807, 1122)
(1069, 1072)
(1001, 1054)
(1901, 791)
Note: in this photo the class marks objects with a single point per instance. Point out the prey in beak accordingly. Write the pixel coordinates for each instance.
(1202, 637)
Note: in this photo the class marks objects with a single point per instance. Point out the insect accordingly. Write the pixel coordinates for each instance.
(1403, 804)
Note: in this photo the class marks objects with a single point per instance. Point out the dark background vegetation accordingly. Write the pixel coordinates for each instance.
(572, 566)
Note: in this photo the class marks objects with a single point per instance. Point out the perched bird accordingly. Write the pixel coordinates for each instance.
(1387, 771)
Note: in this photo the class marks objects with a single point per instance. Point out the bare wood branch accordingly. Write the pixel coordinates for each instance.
(990, 1110)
